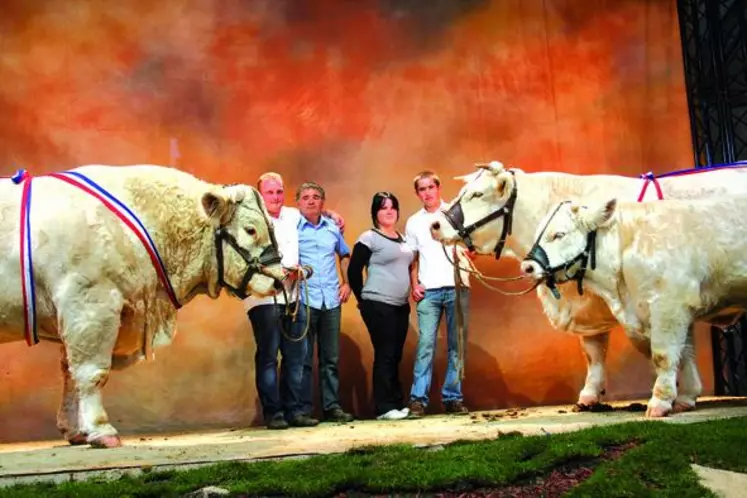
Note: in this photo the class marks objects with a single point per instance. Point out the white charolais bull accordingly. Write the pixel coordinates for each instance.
(659, 268)
(92, 284)
(499, 195)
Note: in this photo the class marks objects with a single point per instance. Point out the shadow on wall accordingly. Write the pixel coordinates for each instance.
(484, 387)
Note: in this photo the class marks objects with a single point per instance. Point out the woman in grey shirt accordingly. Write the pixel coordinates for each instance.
(383, 299)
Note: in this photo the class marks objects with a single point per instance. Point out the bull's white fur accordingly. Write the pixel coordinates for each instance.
(660, 267)
(587, 316)
(97, 290)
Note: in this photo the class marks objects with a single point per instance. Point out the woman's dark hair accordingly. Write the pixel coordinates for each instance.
(378, 202)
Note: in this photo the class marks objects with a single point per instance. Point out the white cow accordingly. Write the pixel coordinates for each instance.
(96, 288)
(524, 198)
(659, 267)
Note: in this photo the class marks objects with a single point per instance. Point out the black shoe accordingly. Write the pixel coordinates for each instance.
(303, 420)
(277, 422)
(337, 415)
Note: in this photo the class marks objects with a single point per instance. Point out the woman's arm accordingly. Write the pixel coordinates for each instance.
(358, 260)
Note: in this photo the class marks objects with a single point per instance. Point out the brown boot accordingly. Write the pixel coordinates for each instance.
(456, 408)
(417, 409)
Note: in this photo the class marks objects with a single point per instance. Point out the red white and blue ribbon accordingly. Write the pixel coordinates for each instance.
(30, 331)
(126, 215)
(651, 178)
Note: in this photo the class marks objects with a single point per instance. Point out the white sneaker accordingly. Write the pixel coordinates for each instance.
(392, 415)
(405, 411)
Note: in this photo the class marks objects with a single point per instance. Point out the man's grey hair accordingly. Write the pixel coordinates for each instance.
(307, 186)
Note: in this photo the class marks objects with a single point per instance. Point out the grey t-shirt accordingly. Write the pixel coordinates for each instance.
(388, 275)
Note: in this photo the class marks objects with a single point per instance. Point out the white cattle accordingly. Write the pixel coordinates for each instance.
(659, 267)
(518, 200)
(96, 288)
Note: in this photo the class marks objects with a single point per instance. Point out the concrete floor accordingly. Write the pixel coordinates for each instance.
(57, 461)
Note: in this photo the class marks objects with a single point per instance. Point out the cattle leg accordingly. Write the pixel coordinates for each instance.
(67, 415)
(668, 337)
(690, 384)
(595, 347)
(90, 323)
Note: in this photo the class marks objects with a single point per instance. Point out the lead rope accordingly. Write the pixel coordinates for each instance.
(483, 278)
(460, 318)
(293, 314)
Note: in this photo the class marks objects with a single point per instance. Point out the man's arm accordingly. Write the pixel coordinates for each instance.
(343, 251)
(344, 286)
(336, 217)
(417, 291)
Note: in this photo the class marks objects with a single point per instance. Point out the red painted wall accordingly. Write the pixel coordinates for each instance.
(359, 96)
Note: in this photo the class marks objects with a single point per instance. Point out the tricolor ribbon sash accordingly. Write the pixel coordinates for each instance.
(125, 214)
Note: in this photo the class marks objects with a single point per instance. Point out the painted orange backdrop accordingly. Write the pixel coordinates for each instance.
(359, 96)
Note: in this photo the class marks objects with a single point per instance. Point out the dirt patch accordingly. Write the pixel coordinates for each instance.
(553, 485)
(604, 407)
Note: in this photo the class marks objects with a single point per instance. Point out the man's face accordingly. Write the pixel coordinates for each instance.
(273, 195)
(428, 192)
(310, 203)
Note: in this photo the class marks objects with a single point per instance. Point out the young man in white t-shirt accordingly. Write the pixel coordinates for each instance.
(433, 289)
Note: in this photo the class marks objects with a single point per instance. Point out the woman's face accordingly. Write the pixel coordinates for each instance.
(387, 215)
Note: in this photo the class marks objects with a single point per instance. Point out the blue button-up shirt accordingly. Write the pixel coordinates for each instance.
(318, 247)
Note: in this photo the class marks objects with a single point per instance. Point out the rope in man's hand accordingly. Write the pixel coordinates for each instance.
(297, 275)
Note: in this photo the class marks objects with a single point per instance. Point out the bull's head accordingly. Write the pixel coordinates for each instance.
(565, 243)
(248, 261)
(480, 216)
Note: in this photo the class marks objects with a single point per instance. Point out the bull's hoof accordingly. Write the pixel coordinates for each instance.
(587, 400)
(105, 442)
(657, 411)
(682, 406)
(77, 439)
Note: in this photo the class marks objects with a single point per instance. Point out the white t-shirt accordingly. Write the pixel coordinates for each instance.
(286, 233)
(434, 269)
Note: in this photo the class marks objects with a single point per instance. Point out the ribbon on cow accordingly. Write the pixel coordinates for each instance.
(650, 178)
(30, 330)
(127, 217)
(87, 185)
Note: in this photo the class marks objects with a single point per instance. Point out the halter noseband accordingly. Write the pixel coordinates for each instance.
(539, 256)
(455, 216)
(270, 255)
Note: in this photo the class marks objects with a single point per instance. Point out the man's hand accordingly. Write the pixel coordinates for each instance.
(291, 274)
(344, 293)
(339, 220)
(418, 293)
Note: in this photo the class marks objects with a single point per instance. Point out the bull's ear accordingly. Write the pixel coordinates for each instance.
(218, 206)
(503, 184)
(600, 214)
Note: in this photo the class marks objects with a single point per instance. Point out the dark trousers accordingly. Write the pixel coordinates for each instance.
(324, 332)
(266, 321)
(387, 325)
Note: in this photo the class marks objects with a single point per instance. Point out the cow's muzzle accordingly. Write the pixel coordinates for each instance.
(537, 259)
(259, 265)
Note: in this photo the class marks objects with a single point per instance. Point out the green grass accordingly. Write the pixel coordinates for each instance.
(659, 465)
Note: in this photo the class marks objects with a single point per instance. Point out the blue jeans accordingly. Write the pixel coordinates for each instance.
(324, 332)
(430, 309)
(284, 399)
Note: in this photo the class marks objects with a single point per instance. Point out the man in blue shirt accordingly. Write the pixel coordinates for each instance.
(319, 242)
